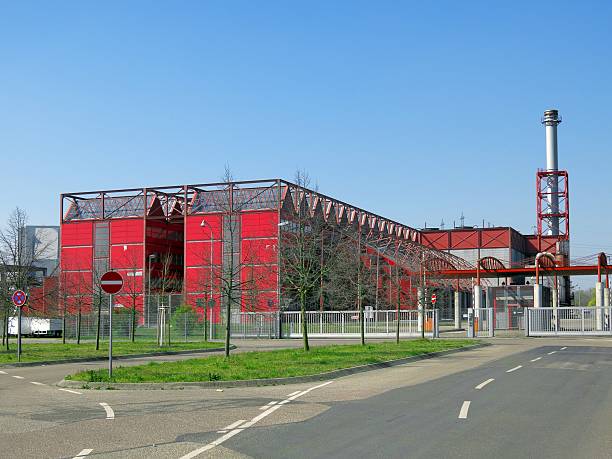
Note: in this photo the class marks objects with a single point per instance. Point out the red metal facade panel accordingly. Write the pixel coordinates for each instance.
(260, 224)
(260, 251)
(125, 231)
(195, 231)
(76, 258)
(263, 277)
(77, 233)
(128, 302)
(259, 231)
(495, 238)
(465, 239)
(127, 257)
(437, 239)
(198, 253)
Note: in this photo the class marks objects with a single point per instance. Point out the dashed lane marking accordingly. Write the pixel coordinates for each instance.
(110, 414)
(36, 383)
(83, 453)
(293, 393)
(71, 391)
(514, 369)
(17, 377)
(3, 372)
(484, 383)
(536, 359)
(463, 412)
(552, 352)
(564, 348)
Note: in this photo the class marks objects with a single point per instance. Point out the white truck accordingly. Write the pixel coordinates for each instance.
(36, 326)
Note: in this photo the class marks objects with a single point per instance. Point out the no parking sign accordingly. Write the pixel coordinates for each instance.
(19, 298)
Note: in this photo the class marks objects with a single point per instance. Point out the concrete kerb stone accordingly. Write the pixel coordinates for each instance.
(120, 357)
(267, 381)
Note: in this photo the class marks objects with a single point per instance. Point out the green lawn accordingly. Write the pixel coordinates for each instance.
(47, 352)
(270, 364)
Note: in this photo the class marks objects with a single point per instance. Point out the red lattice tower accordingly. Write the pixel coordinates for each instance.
(552, 200)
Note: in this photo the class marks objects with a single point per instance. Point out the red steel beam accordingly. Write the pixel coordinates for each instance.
(588, 270)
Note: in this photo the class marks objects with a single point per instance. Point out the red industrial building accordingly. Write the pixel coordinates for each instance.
(184, 239)
(181, 239)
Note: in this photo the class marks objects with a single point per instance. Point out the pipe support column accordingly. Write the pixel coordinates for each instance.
(599, 303)
(457, 310)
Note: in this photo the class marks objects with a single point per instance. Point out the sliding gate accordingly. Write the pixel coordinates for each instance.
(569, 321)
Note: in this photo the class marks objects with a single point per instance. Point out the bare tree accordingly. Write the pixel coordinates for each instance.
(351, 282)
(133, 285)
(306, 250)
(17, 261)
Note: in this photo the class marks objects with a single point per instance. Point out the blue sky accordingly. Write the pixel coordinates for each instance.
(418, 111)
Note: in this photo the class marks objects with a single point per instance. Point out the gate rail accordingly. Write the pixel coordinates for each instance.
(569, 321)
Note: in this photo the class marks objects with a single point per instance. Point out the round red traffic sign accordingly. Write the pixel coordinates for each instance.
(434, 298)
(111, 282)
(19, 298)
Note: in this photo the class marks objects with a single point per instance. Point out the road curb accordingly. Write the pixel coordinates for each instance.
(267, 381)
(120, 357)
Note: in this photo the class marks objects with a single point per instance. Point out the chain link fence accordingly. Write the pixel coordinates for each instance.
(180, 326)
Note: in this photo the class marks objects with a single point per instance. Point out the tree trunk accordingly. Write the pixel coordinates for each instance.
(228, 320)
(303, 318)
(98, 323)
(133, 324)
(79, 327)
(362, 324)
(64, 323)
(5, 327)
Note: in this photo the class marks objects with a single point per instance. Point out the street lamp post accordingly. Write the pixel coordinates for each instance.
(211, 261)
(150, 258)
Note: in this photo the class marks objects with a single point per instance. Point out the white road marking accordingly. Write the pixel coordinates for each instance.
(36, 383)
(246, 425)
(463, 413)
(17, 377)
(552, 352)
(514, 369)
(110, 414)
(293, 393)
(71, 391)
(564, 348)
(83, 453)
(2, 372)
(484, 383)
(268, 405)
(536, 359)
(233, 425)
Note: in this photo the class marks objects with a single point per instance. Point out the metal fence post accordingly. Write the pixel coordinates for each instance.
(491, 323)
(527, 320)
(436, 328)
(279, 322)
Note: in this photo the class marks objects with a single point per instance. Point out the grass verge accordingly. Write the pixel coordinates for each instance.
(49, 352)
(270, 364)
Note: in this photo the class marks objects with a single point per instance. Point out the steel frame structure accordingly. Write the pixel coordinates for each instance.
(548, 220)
(391, 240)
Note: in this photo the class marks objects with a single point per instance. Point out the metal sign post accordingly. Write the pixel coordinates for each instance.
(111, 282)
(19, 298)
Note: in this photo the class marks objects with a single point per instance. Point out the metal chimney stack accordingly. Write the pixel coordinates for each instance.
(550, 120)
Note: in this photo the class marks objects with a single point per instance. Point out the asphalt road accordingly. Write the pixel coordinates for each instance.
(559, 405)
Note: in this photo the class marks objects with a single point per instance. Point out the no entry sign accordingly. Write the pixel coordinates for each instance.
(111, 282)
(19, 298)
(434, 298)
